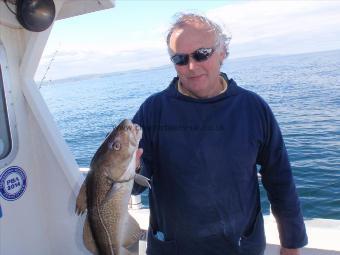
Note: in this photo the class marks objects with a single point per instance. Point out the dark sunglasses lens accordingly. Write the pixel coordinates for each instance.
(202, 54)
(180, 59)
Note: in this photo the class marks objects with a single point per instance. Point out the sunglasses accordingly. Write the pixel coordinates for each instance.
(198, 55)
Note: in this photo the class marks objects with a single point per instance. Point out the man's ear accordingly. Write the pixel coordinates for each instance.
(222, 54)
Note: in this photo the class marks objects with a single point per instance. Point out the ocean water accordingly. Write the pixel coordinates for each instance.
(302, 90)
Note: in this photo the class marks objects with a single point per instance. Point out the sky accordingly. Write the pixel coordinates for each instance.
(132, 35)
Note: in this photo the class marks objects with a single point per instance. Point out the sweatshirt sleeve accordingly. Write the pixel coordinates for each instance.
(145, 143)
(278, 181)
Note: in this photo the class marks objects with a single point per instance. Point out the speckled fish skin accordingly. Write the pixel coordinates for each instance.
(109, 229)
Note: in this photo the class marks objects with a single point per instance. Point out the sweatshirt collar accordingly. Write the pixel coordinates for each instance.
(231, 90)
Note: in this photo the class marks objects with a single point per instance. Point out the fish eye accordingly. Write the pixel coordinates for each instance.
(116, 146)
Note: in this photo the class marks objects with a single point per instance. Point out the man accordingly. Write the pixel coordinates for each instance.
(202, 139)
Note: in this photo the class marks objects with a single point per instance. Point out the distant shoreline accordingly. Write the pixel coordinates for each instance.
(101, 75)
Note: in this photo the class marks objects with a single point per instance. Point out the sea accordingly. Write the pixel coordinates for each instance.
(302, 90)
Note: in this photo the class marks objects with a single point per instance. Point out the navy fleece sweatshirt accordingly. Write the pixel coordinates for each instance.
(201, 155)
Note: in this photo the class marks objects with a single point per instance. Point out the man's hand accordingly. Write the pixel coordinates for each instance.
(286, 251)
(138, 155)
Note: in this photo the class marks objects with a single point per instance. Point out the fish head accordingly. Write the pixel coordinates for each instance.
(116, 156)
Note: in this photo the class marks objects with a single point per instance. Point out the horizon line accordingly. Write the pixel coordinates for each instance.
(93, 75)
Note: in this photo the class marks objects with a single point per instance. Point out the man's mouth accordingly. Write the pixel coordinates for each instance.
(195, 77)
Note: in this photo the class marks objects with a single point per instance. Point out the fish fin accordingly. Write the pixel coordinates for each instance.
(81, 202)
(132, 250)
(132, 232)
(89, 241)
(142, 180)
(123, 251)
(114, 188)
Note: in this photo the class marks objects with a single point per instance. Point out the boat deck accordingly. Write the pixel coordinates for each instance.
(323, 234)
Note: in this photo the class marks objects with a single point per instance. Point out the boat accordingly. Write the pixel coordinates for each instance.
(39, 177)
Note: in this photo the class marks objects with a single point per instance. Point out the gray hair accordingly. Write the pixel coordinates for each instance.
(183, 19)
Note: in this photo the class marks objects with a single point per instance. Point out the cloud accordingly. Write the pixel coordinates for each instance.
(257, 28)
(274, 27)
(75, 63)
(66, 57)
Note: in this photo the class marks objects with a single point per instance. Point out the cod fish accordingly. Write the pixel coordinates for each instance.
(109, 229)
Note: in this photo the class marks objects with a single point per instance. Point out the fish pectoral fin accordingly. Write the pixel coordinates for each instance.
(81, 202)
(131, 234)
(89, 241)
(124, 251)
(142, 181)
(132, 250)
(114, 188)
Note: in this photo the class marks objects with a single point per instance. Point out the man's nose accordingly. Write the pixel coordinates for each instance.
(192, 64)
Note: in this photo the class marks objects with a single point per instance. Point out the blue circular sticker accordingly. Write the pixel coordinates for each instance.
(12, 183)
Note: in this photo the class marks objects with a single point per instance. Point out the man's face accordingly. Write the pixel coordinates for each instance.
(199, 79)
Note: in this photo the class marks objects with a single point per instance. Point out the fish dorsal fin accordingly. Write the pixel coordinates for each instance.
(131, 233)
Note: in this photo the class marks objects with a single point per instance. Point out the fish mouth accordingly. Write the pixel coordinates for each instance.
(134, 129)
(137, 131)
